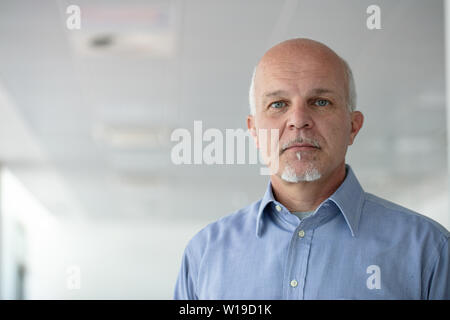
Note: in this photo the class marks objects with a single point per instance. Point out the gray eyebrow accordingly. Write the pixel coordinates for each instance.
(321, 91)
(278, 93)
(275, 93)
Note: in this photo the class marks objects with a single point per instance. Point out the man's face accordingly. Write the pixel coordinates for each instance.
(306, 100)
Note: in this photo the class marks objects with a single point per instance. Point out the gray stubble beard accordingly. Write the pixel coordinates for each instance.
(289, 174)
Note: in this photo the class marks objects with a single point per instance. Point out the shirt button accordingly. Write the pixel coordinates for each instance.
(278, 208)
(301, 233)
(294, 283)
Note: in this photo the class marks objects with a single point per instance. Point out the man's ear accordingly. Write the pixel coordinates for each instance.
(251, 127)
(357, 122)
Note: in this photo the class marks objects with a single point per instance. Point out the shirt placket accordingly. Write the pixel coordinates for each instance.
(297, 264)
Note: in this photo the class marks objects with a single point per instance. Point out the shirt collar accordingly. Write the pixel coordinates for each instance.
(349, 198)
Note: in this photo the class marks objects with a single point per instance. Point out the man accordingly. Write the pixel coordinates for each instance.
(315, 234)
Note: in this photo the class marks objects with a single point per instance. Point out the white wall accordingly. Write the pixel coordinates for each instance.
(116, 261)
(132, 260)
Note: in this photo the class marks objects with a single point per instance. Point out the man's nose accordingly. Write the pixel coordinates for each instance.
(300, 116)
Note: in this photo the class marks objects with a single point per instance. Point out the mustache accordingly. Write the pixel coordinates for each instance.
(298, 140)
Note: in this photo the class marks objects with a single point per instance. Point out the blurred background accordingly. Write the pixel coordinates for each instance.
(91, 205)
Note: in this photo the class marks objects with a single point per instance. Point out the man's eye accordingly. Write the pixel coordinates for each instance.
(321, 102)
(278, 104)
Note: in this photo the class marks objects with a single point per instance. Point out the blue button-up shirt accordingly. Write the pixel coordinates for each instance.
(354, 246)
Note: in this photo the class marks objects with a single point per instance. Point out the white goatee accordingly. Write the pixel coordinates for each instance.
(289, 174)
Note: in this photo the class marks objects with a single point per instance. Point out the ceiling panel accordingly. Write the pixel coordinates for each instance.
(163, 64)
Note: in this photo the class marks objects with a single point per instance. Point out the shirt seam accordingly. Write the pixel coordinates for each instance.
(288, 265)
(430, 266)
(189, 252)
(408, 212)
(284, 222)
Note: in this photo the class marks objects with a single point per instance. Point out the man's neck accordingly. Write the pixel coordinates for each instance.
(306, 196)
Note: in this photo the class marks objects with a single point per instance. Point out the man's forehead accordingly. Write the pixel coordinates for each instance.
(298, 67)
(283, 69)
(314, 90)
(271, 78)
(298, 49)
(296, 72)
(291, 58)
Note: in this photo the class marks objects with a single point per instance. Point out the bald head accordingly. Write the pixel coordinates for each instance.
(303, 52)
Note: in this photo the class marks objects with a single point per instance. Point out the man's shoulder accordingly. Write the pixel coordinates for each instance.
(234, 224)
(390, 212)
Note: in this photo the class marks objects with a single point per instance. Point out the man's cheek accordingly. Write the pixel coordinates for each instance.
(268, 140)
(338, 135)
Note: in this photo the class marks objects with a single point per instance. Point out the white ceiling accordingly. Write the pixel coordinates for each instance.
(173, 62)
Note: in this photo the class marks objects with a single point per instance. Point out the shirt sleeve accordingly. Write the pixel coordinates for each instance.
(439, 288)
(186, 281)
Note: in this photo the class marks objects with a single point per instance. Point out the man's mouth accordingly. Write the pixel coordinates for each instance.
(304, 146)
(301, 147)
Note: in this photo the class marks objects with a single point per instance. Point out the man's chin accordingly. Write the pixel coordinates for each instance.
(289, 174)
